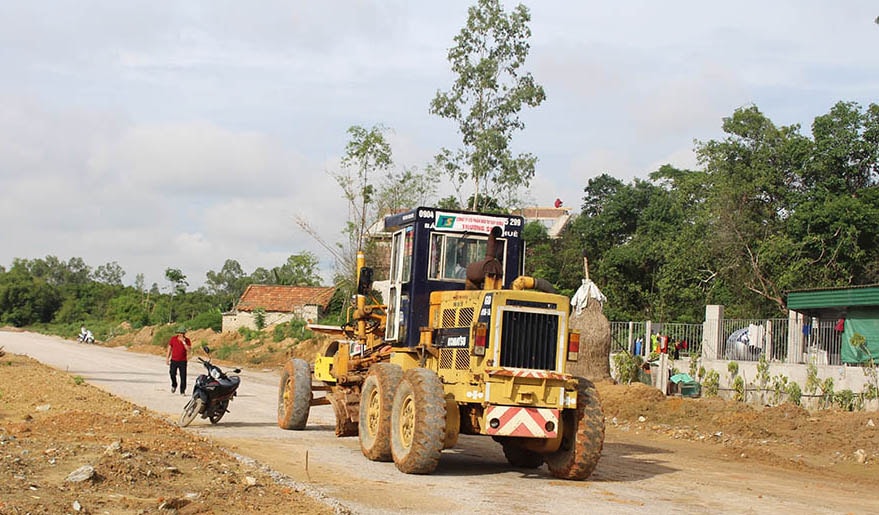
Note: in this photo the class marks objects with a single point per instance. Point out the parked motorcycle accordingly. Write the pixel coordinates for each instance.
(212, 393)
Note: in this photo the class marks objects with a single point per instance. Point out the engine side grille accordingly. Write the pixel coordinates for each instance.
(462, 359)
(449, 317)
(529, 340)
(465, 317)
(447, 356)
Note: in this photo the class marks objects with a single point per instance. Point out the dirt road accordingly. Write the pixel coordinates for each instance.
(638, 470)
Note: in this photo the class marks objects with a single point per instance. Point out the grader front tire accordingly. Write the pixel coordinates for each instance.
(376, 401)
(582, 439)
(418, 422)
(294, 395)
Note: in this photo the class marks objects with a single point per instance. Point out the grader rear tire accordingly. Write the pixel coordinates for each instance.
(418, 422)
(376, 401)
(582, 438)
(294, 395)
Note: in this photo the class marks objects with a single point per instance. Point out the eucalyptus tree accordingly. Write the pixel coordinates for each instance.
(490, 90)
(367, 155)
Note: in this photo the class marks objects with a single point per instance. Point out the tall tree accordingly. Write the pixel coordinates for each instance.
(366, 155)
(485, 100)
(299, 270)
(109, 273)
(401, 190)
(753, 176)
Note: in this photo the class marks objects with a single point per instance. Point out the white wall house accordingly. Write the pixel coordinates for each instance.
(279, 303)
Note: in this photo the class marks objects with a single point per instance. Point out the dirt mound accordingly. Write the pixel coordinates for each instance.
(67, 446)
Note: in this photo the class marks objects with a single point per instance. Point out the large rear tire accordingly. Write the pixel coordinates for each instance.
(376, 401)
(190, 411)
(520, 457)
(219, 411)
(418, 422)
(294, 395)
(582, 438)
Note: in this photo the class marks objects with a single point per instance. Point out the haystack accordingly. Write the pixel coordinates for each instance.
(593, 362)
(587, 316)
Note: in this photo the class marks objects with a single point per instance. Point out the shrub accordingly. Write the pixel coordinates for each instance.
(848, 400)
(163, 334)
(295, 328)
(207, 320)
(627, 366)
(259, 318)
(738, 387)
(711, 384)
(794, 394)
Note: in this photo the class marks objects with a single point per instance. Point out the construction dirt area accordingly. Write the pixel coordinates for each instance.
(69, 447)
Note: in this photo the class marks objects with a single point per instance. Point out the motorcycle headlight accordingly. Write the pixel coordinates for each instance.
(215, 373)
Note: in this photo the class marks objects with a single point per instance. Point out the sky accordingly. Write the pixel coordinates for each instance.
(160, 134)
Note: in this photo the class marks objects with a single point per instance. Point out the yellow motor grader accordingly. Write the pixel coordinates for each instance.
(464, 344)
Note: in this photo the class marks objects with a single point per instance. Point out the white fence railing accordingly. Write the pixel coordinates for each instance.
(740, 339)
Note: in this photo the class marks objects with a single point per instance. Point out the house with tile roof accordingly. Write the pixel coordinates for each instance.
(279, 303)
(553, 218)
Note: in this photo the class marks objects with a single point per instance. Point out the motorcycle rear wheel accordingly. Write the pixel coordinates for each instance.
(190, 411)
(219, 411)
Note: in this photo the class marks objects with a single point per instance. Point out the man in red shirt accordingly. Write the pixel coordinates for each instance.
(178, 347)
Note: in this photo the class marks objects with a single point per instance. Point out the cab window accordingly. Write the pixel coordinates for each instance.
(451, 253)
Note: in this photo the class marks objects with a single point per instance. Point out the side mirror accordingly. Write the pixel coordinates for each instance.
(206, 349)
(236, 370)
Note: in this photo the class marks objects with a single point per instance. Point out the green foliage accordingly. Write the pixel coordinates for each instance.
(250, 334)
(207, 320)
(812, 380)
(871, 372)
(828, 396)
(78, 380)
(490, 89)
(733, 368)
(763, 371)
(293, 329)
(738, 387)
(779, 389)
(163, 334)
(627, 366)
(711, 383)
(259, 318)
(871, 391)
(224, 351)
(794, 394)
(847, 400)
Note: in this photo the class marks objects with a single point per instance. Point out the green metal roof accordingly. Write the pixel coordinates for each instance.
(833, 298)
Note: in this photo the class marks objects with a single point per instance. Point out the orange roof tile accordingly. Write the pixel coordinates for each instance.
(284, 299)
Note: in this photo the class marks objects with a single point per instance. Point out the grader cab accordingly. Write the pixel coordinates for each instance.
(465, 344)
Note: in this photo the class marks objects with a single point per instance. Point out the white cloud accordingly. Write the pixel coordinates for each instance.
(186, 135)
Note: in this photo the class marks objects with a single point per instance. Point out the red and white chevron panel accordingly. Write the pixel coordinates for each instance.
(524, 372)
(524, 422)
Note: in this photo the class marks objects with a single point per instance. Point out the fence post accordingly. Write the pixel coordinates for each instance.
(712, 337)
(631, 339)
(794, 337)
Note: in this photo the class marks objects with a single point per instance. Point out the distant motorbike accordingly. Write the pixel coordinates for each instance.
(212, 393)
(86, 337)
